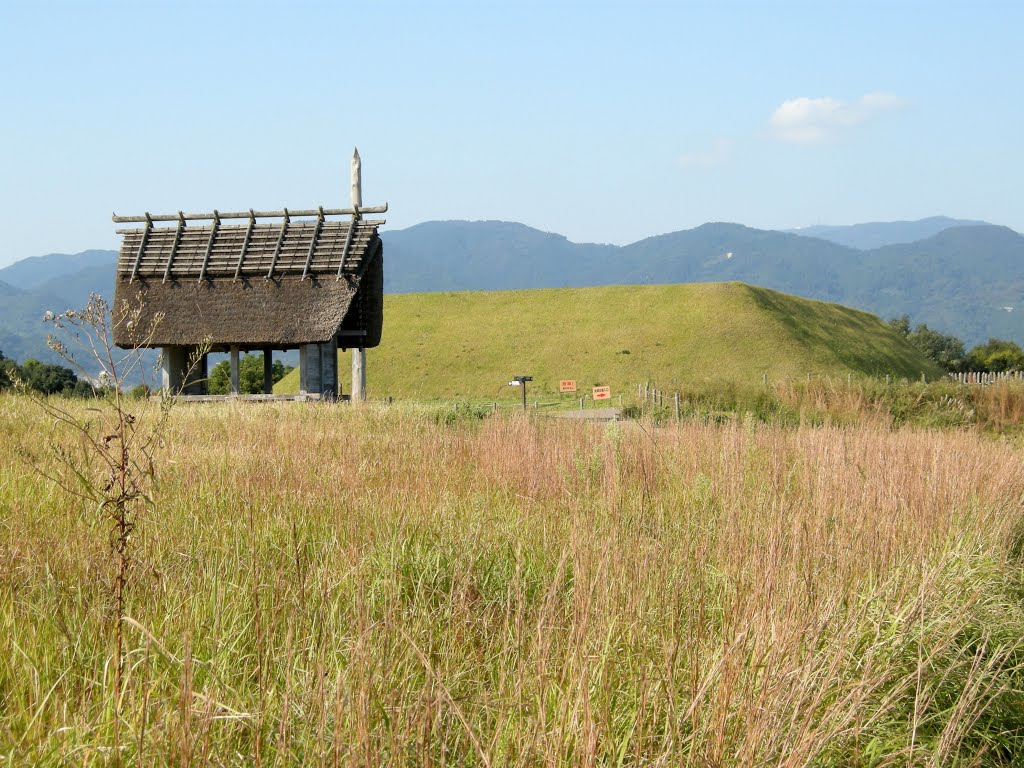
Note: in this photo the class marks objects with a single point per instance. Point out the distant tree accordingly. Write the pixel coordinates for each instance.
(8, 371)
(947, 351)
(996, 355)
(250, 375)
(48, 379)
(901, 324)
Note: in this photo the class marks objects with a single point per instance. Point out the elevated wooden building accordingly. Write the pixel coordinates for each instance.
(311, 280)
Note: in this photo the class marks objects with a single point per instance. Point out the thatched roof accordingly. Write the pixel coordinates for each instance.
(276, 284)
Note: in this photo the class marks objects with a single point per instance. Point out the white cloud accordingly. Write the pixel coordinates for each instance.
(718, 153)
(812, 121)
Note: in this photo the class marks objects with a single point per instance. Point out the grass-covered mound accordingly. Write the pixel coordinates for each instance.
(469, 344)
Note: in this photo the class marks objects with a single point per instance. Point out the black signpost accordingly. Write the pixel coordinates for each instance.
(520, 381)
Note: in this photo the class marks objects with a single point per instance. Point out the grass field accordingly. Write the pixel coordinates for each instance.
(444, 345)
(327, 585)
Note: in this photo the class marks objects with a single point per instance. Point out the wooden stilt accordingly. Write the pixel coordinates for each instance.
(358, 374)
(235, 377)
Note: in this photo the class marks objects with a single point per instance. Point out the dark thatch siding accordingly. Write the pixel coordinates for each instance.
(367, 311)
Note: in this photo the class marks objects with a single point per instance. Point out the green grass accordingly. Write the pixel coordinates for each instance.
(469, 344)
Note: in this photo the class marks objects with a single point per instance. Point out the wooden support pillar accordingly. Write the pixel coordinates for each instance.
(310, 382)
(358, 374)
(329, 369)
(268, 372)
(318, 369)
(173, 365)
(235, 379)
(181, 373)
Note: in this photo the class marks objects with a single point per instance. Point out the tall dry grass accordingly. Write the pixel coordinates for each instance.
(333, 586)
(998, 408)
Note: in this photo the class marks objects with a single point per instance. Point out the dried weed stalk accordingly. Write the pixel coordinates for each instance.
(112, 464)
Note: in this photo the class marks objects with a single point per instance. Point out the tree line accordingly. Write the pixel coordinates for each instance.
(994, 356)
(45, 378)
(49, 379)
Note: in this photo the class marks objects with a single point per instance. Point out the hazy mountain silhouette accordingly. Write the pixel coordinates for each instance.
(877, 234)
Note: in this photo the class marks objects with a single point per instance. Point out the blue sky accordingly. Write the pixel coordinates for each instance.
(605, 122)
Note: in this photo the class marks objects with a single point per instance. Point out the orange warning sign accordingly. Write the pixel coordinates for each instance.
(567, 385)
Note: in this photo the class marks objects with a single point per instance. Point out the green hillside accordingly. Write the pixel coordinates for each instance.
(469, 344)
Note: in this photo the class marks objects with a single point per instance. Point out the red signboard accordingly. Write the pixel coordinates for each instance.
(602, 393)
(567, 385)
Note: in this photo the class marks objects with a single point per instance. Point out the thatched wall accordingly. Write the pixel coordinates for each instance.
(254, 312)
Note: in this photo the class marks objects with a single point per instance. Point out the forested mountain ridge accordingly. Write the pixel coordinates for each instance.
(963, 280)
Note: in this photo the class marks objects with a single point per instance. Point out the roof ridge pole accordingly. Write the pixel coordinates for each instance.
(312, 242)
(142, 247)
(356, 170)
(358, 353)
(357, 181)
(209, 245)
(280, 242)
(245, 243)
(174, 247)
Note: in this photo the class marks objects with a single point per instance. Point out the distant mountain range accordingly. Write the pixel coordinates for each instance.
(878, 234)
(960, 277)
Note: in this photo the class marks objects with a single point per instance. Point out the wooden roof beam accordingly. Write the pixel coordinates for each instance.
(174, 247)
(142, 247)
(249, 214)
(362, 223)
(209, 245)
(245, 243)
(312, 243)
(280, 242)
(348, 245)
